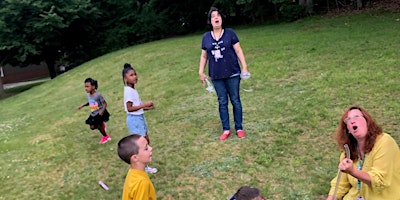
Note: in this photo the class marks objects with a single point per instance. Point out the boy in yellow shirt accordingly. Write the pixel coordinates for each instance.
(135, 151)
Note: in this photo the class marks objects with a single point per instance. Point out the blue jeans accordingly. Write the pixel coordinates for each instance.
(136, 124)
(224, 88)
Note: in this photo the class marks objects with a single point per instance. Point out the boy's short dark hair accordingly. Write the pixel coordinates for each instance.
(246, 193)
(127, 147)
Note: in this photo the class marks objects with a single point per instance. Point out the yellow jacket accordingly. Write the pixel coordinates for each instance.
(383, 166)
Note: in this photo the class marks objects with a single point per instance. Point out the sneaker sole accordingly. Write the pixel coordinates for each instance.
(105, 141)
(226, 137)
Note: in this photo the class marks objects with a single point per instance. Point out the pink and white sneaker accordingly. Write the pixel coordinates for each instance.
(151, 170)
(105, 139)
(241, 134)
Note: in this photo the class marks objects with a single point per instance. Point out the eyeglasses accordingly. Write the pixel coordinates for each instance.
(350, 118)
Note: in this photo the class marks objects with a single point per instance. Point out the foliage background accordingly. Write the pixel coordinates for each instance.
(72, 32)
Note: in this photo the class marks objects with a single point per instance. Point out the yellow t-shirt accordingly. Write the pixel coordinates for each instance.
(383, 166)
(138, 186)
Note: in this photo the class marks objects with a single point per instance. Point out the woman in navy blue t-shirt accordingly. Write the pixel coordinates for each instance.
(221, 49)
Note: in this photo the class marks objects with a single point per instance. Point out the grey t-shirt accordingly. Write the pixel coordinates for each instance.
(95, 103)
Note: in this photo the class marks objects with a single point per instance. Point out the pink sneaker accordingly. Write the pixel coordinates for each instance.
(241, 134)
(224, 135)
(105, 139)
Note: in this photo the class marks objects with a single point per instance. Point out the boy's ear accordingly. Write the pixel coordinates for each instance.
(134, 158)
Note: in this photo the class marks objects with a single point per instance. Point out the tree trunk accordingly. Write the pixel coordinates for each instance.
(309, 7)
(2, 92)
(276, 11)
(359, 4)
(50, 65)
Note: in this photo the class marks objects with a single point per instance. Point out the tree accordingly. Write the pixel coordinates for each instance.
(308, 6)
(183, 16)
(115, 30)
(126, 23)
(32, 31)
(2, 92)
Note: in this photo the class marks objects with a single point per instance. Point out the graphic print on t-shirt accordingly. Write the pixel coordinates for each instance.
(93, 105)
(217, 52)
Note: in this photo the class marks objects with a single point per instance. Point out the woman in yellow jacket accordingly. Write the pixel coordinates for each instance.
(373, 170)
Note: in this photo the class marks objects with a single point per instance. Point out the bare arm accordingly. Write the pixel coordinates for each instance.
(149, 106)
(146, 106)
(202, 65)
(82, 105)
(240, 55)
(103, 108)
(347, 166)
(362, 176)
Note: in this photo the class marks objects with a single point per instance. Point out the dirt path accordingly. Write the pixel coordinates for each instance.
(11, 85)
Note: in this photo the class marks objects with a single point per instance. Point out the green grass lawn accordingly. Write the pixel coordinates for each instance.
(304, 74)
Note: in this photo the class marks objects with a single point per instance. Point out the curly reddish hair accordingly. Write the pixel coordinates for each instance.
(342, 134)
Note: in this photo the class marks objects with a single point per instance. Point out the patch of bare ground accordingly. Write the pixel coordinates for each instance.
(383, 5)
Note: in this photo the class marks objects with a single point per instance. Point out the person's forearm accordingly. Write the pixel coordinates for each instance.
(104, 105)
(135, 108)
(84, 104)
(203, 62)
(202, 65)
(240, 55)
(242, 61)
(362, 176)
(103, 109)
(131, 108)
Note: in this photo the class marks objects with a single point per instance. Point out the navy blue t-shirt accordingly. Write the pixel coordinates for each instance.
(222, 58)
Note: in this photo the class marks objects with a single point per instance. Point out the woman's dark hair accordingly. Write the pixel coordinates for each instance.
(92, 82)
(342, 134)
(212, 9)
(127, 68)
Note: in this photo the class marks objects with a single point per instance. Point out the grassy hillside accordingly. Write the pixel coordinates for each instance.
(304, 75)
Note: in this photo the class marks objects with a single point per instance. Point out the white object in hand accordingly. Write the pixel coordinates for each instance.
(245, 75)
(210, 87)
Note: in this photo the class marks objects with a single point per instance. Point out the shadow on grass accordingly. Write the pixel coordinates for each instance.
(16, 90)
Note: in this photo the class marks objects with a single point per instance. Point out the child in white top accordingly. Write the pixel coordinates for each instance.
(134, 107)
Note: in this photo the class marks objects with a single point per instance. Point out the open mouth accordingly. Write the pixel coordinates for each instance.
(216, 21)
(355, 127)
